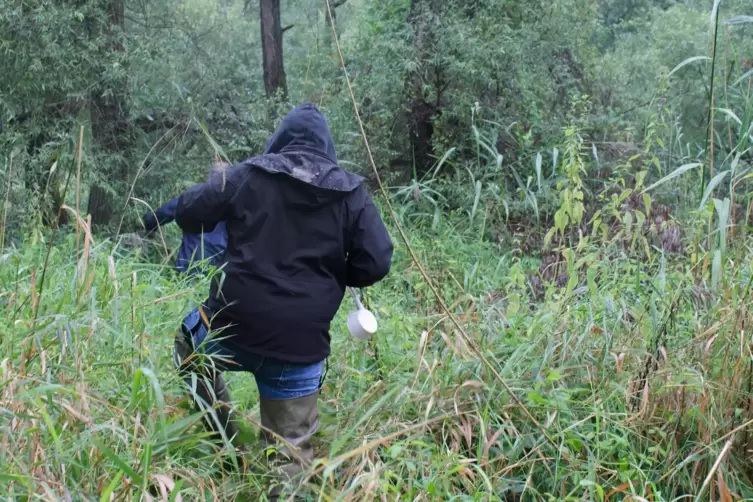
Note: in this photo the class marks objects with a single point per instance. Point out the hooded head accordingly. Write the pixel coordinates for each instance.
(302, 147)
(304, 129)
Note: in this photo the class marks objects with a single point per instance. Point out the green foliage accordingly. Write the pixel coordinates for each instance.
(89, 391)
(586, 119)
(572, 209)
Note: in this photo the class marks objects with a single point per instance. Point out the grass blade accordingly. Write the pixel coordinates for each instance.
(50, 426)
(715, 181)
(476, 199)
(687, 62)
(730, 114)
(146, 464)
(107, 492)
(674, 174)
(444, 158)
(746, 75)
(714, 17)
(122, 465)
(341, 441)
(740, 20)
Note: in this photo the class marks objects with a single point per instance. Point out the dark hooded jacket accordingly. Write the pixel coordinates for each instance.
(195, 249)
(300, 230)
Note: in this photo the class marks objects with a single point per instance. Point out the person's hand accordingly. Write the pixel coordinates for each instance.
(147, 233)
(150, 222)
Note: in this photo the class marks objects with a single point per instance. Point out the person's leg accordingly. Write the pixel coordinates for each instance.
(203, 379)
(288, 395)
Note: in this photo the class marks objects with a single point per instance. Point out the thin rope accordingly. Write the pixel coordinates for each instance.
(470, 342)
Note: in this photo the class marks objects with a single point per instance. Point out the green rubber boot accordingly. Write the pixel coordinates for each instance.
(295, 421)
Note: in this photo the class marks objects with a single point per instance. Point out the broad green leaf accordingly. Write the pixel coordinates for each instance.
(591, 278)
(716, 268)
(555, 156)
(560, 220)
(548, 237)
(596, 226)
(723, 210)
(476, 198)
(640, 178)
(627, 220)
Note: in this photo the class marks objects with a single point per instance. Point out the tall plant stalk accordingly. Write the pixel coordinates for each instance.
(709, 155)
(710, 125)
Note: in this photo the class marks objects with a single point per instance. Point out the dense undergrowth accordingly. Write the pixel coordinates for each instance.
(591, 236)
(636, 373)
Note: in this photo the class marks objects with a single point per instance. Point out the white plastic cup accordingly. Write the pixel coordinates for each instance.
(361, 323)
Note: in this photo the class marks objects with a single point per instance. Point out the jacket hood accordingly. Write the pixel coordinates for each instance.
(303, 129)
(302, 147)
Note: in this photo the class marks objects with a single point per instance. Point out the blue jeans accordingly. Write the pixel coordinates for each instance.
(275, 379)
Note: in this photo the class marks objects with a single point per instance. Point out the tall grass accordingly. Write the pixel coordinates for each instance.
(632, 373)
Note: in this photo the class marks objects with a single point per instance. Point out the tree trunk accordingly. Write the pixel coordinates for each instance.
(109, 123)
(421, 111)
(100, 205)
(421, 133)
(271, 47)
(330, 7)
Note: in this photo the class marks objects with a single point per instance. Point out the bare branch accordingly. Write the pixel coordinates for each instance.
(286, 28)
(339, 3)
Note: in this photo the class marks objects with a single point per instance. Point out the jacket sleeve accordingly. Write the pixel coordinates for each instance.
(161, 216)
(201, 207)
(370, 253)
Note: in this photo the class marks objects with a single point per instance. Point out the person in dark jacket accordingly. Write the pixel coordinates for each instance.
(196, 248)
(300, 230)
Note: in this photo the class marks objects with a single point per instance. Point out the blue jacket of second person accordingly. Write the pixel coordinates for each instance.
(198, 247)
